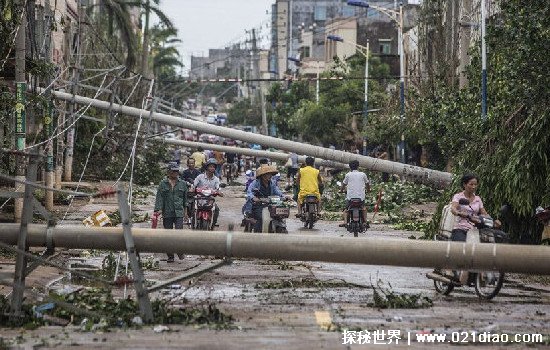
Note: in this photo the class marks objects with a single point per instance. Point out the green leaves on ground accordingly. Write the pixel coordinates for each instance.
(385, 298)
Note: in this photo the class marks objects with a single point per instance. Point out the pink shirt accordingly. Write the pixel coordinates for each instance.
(472, 209)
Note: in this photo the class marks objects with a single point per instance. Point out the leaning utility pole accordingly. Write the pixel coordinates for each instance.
(48, 113)
(20, 115)
(74, 89)
(412, 172)
(145, 48)
(259, 87)
(465, 35)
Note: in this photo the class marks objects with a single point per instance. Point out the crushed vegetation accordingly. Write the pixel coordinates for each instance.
(136, 218)
(284, 265)
(306, 282)
(385, 298)
(140, 194)
(109, 312)
(108, 269)
(396, 198)
(331, 215)
(396, 194)
(408, 222)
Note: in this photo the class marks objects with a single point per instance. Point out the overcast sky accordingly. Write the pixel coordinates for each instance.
(210, 24)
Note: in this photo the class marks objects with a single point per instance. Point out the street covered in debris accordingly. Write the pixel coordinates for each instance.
(256, 303)
(274, 174)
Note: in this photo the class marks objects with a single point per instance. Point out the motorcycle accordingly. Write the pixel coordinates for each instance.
(354, 217)
(190, 204)
(310, 211)
(487, 284)
(274, 215)
(248, 162)
(230, 171)
(543, 215)
(203, 209)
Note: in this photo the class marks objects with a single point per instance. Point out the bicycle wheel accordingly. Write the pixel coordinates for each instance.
(203, 225)
(355, 228)
(488, 284)
(228, 174)
(443, 288)
(310, 221)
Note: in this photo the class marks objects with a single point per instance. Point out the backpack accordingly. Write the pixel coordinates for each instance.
(447, 223)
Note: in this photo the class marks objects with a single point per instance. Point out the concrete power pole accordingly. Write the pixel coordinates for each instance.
(76, 77)
(145, 49)
(260, 85)
(48, 115)
(20, 115)
(464, 41)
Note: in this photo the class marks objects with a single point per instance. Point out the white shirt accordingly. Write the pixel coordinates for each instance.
(355, 182)
(202, 181)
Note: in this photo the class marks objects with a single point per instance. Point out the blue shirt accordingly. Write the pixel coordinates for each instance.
(256, 185)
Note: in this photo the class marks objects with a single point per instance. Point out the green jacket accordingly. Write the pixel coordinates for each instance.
(171, 202)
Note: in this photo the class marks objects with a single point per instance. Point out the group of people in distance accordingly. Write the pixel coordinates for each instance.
(171, 198)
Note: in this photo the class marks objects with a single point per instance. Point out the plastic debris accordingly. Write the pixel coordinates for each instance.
(160, 328)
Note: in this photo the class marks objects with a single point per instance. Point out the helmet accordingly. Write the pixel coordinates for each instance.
(249, 173)
(173, 167)
(266, 169)
(211, 161)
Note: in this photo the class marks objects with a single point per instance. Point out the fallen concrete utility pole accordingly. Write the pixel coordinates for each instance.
(414, 173)
(248, 152)
(369, 251)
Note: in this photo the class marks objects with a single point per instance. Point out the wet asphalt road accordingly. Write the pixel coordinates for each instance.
(306, 305)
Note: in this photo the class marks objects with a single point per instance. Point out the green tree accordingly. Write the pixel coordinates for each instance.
(245, 113)
(509, 151)
(165, 56)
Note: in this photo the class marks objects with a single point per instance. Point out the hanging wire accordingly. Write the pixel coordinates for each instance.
(82, 173)
(144, 102)
(14, 37)
(90, 151)
(74, 122)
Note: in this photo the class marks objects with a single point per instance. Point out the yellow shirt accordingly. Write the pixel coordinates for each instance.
(309, 181)
(199, 158)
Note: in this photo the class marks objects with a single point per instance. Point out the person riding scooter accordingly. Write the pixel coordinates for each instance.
(262, 187)
(355, 183)
(309, 182)
(209, 180)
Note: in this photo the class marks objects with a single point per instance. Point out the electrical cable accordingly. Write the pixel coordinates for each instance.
(82, 173)
(74, 122)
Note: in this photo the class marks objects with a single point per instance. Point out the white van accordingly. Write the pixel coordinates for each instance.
(211, 119)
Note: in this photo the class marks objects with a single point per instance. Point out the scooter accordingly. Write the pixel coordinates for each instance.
(487, 284)
(274, 215)
(230, 171)
(354, 217)
(203, 209)
(310, 211)
(543, 215)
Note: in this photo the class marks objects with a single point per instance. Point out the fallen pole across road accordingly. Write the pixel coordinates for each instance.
(369, 251)
(414, 173)
(249, 152)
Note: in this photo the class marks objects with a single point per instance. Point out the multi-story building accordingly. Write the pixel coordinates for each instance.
(299, 28)
(227, 62)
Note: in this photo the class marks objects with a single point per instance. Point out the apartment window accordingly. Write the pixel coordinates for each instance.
(385, 46)
(348, 11)
(306, 52)
(320, 13)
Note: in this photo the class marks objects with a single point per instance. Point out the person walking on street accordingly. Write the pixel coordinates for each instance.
(220, 159)
(292, 169)
(190, 174)
(199, 157)
(171, 201)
